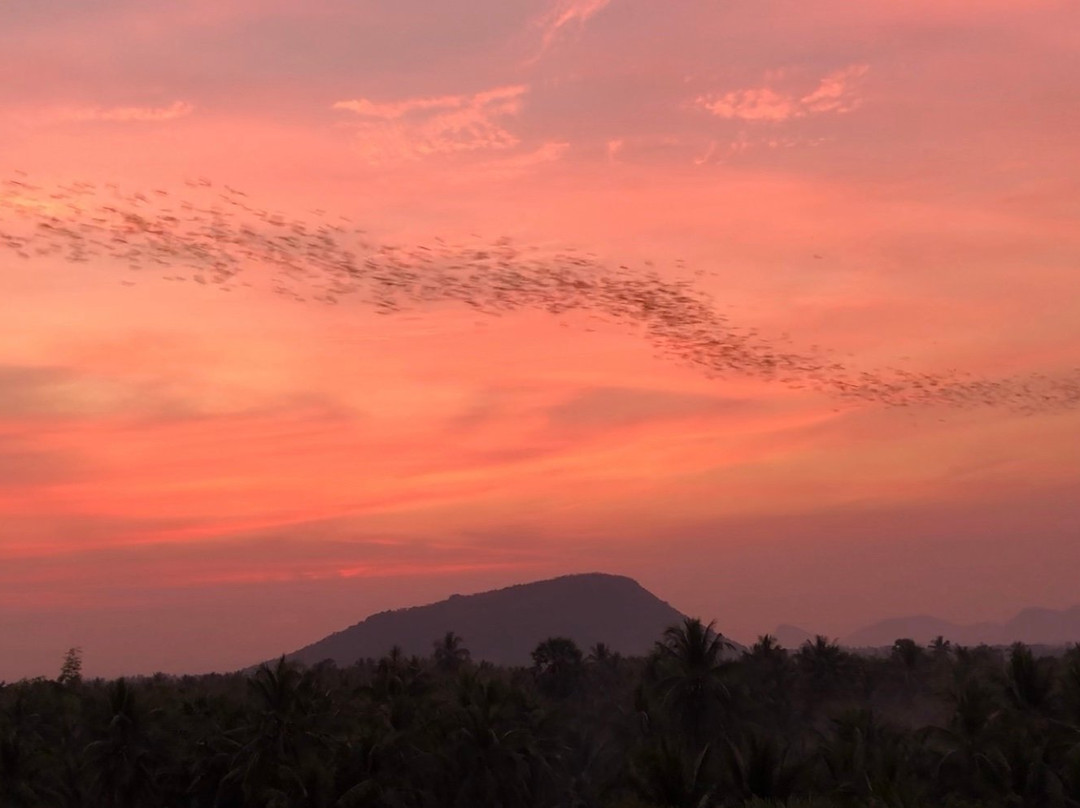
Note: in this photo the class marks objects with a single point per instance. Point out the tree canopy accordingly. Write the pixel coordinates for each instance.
(693, 724)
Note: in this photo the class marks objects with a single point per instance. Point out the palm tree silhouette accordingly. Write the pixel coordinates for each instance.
(1070, 685)
(870, 761)
(1029, 682)
(824, 663)
(494, 751)
(602, 656)
(666, 774)
(762, 765)
(279, 757)
(451, 653)
(693, 683)
(122, 759)
(557, 665)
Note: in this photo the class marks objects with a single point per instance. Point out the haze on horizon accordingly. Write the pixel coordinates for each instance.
(193, 479)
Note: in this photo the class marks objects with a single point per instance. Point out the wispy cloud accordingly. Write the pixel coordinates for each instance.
(415, 128)
(721, 151)
(177, 109)
(523, 161)
(835, 93)
(393, 110)
(566, 13)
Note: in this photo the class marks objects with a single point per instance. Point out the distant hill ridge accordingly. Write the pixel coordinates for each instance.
(1033, 626)
(504, 626)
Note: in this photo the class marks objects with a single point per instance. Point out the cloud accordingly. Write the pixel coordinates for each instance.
(92, 573)
(835, 93)
(568, 12)
(394, 110)
(758, 104)
(415, 128)
(513, 165)
(177, 109)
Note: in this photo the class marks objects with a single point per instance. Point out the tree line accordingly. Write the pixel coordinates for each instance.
(694, 724)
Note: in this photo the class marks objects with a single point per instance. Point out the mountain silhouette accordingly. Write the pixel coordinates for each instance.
(504, 626)
(1034, 626)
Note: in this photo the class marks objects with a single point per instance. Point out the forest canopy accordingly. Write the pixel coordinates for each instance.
(691, 724)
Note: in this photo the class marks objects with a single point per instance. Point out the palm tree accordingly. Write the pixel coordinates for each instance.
(280, 758)
(667, 775)
(907, 656)
(23, 783)
(121, 759)
(1029, 683)
(24, 780)
(557, 665)
(1070, 685)
(761, 765)
(968, 758)
(602, 656)
(451, 653)
(940, 647)
(870, 761)
(824, 663)
(766, 666)
(397, 688)
(767, 647)
(766, 671)
(493, 751)
(693, 676)
(907, 653)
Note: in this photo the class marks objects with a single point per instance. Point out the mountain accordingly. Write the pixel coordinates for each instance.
(921, 628)
(1046, 626)
(504, 626)
(1032, 626)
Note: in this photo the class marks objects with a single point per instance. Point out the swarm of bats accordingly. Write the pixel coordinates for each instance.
(216, 236)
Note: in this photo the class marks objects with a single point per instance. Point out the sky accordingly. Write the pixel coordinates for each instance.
(197, 476)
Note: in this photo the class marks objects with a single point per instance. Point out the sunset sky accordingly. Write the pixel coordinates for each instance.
(195, 480)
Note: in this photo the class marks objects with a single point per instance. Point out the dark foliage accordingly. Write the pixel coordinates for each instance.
(691, 725)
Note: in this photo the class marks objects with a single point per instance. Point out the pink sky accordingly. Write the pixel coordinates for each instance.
(192, 480)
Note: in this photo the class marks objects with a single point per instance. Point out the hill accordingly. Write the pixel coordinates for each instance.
(1032, 626)
(505, 625)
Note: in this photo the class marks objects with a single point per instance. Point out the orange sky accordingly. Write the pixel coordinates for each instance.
(194, 480)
